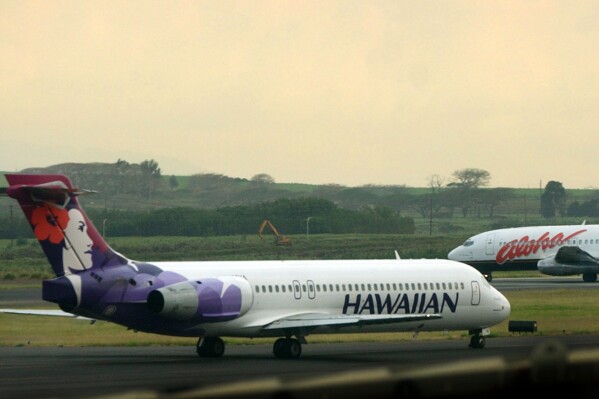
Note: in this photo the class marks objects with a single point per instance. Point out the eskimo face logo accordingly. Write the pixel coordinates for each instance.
(525, 246)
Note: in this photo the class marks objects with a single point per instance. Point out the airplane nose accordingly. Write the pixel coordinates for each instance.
(459, 254)
(451, 255)
(503, 305)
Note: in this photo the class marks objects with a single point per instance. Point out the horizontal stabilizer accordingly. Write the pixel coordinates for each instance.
(42, 312)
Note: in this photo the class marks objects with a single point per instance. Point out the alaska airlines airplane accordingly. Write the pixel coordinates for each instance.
(552, 250)
(213, 299)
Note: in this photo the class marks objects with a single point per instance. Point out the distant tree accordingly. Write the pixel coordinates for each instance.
(150, 176)
(470, 178)
(262, 178)
(435, 183)
(466, 182)
(553, 200)
(172, 182)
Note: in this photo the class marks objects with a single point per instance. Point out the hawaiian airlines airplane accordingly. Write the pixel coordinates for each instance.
(552, 250)
(214, 299)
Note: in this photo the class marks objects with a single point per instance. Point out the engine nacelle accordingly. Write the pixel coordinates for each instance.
(568, 261)
(210, 299)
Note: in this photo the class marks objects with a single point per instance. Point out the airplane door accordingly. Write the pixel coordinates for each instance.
(475, 293)
(297, 289)
(311, 290)
(490, 242)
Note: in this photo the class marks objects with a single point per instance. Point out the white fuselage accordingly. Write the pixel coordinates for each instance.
(521, 248)
(282, 289)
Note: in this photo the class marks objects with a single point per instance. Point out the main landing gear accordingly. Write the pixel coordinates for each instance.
(287, 348)
(210, 347)
(283, 348)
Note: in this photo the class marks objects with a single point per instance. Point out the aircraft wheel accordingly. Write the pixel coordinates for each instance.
(477, 341)
(278, 348)
(287, 348)
(210, 347)
(589, 277)
(295, 348)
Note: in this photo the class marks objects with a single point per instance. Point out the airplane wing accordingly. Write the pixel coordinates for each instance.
(312, 320)
(43, 312)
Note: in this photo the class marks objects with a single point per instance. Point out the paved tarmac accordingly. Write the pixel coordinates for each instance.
(55, 372)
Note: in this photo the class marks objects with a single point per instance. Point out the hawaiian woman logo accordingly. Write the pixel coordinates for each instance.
(54, 225)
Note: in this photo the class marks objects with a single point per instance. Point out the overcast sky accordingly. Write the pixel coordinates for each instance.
(346, 92)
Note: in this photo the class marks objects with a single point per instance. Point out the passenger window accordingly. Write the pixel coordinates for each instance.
(324, 287)
(419, 287)
(438, 286)
(303, 287)
(276, 288)
(376, 287)
(257, 289)
(394, 287)
(363, 288)
(264, 288)
(413, 287)
(343, 287)
(369, 287)
(443, 285)
(283, 288)
(270, 288)
(337, 287)
(349, 287)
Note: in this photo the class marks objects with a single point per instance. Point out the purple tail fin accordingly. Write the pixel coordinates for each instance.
(69, 239)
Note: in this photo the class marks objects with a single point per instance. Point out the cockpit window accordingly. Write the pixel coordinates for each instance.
(468, 242)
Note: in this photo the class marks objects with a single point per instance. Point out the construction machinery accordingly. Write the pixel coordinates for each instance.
(279, 238)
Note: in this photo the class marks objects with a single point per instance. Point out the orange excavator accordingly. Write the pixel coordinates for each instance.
(279, 238)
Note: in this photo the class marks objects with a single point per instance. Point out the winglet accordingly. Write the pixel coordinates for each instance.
(397, 255)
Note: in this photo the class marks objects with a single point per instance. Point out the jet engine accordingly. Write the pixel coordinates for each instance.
(210, 299)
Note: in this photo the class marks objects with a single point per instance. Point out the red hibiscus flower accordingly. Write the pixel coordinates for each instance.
(49, 223)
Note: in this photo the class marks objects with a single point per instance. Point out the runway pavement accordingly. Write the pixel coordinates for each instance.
(54, 372)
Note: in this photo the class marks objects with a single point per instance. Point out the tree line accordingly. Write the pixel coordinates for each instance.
(290, 216)
(211, 204)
